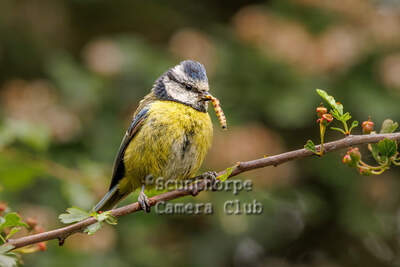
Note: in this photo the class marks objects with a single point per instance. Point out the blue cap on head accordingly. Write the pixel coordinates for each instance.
(194, 70)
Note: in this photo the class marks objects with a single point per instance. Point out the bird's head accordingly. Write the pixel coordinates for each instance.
(185, 83)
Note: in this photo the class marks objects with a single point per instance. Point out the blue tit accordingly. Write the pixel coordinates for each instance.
(169, 136)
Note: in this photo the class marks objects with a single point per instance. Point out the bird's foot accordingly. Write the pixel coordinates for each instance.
(144, 201)
(194, 191)
(210, 178)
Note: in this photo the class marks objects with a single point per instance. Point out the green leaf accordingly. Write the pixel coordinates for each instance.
(331, 101)
(388, 126)
(375, 152)
(5, 248)
(338, 129)
(111, 220)
(105, 216)
(93, 228)
(74, 215)
(12, 219)
(336, 114)
(226, 175)
(353, 125)
(387, 148)
(13, 231)
(310, 146)
(7, 261)
(345, 117)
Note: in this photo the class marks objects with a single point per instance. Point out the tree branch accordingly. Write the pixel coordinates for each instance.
(62, 233)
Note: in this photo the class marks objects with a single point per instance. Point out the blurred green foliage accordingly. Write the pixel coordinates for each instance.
(72, 72)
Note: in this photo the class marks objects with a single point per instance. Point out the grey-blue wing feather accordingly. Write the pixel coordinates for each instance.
(119, 167)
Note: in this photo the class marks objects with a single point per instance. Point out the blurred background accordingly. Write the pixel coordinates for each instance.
(72, 72)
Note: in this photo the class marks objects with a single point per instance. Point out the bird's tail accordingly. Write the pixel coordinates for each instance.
(110, 200)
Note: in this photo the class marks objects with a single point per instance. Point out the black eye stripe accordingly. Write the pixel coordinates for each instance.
(172, 77)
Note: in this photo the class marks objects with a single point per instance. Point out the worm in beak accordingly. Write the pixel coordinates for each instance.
(217, 108)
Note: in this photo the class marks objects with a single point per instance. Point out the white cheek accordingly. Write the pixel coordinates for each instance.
(181, 94)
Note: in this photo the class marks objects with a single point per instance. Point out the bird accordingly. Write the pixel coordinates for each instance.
(169, 136)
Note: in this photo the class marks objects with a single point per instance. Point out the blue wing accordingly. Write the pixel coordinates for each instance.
(119, 167)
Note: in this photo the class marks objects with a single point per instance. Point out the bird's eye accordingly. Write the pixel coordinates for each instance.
(188, 87)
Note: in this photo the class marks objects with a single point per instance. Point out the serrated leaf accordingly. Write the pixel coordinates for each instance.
(93, 228)
(335, 114)
(310, 146)
(74, 215)
(13, 231)
(12, 219)
(388, 126)
(345, 117)
(226, 175)
(387, 148)
(7, 261)
(331, 101)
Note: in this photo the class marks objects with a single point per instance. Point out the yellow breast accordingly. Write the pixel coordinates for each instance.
(172, 143)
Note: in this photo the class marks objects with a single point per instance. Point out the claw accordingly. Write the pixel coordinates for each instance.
(194, 191)
(144, 201)
(211, 178)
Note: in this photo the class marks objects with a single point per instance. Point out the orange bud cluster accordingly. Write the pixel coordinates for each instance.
(367, 126)
(321, 110)
(325, 119)
(352, 157)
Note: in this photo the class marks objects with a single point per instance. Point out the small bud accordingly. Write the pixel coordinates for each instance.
(326, 119)
(42, 246)
(31, 222)
(321, 110)
(355, 154)
(367, 126)
(347, 160)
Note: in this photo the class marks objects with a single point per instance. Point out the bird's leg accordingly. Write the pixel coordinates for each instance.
(144, 200)
(210, 177)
